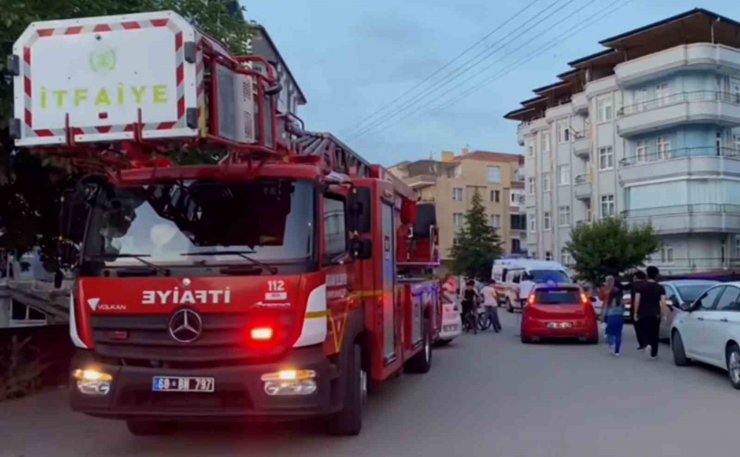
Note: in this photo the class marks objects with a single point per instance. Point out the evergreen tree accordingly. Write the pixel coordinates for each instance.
(477, 244)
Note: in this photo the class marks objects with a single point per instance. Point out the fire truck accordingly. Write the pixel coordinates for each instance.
(278, 275)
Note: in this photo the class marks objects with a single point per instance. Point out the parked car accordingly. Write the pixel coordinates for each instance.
(559, 311)
(709, 330)
(681, 294)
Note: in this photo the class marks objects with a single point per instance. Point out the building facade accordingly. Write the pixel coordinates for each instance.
(451, 183)
(649, 130)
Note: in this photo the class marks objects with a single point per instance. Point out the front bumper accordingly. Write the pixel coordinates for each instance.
(239, 391)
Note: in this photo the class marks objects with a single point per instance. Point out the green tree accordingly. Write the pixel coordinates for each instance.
(610, 246)
(29, 186)
(477, 244)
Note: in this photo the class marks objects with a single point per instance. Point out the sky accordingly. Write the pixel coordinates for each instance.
(380, 74)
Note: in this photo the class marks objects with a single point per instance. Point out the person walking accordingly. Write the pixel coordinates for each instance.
(613, 315)
(490, 303)
(650, 306)
(638, 279)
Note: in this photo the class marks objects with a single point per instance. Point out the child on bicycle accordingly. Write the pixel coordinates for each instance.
(471, 298)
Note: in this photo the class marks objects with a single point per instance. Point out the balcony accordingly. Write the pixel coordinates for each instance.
(695, 56)
(582, 148)
(582, 187)
(695, 107)
(419, 181)
(706, 161)
(696, 218)
(580, 103)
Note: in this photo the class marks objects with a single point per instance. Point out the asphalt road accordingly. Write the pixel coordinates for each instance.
(487, 395)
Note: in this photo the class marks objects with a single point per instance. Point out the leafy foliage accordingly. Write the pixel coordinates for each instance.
(477, 245)
(610, 246)
(30, 187)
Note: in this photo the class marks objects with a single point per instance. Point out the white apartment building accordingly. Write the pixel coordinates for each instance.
(649, 130)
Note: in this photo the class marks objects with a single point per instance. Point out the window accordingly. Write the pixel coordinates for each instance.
(664, 147)
(454, 172)
(545, 141)
(604, 109)
(495, 196)
(735, 90)
(22, 315)
(641, 97)
(496, 220)
(565, 257)
(662, 91)
(548, 255)
(641, 151)
(546, 220)
(606, 158)
(666, 253)
(530, 148)
(519, 222)
(546, 182)
(494, 174)
(335, 232)
(563, 131)
(564, 175)
(589, 217)
(517, 199)
(516, 245)
(457, 194)
(728, 300)
(530, 186)
(532, 219)
(737, 246)
(608, 208)
(736, 143)
(564, 215)
(707, 300)
(458, 219)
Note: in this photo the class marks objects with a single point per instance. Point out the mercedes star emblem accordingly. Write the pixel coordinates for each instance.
(185, 326)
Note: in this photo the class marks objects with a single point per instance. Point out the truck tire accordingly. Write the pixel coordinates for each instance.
(348, 420)
(422, 361)
(509, 307)
(147, 428)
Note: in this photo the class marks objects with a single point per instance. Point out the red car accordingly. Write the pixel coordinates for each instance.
(559, 311)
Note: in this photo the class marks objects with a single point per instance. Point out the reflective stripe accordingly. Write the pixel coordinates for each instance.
(73, 324)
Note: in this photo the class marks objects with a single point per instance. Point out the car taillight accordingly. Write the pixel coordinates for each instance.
(531, 299)
(584, 299)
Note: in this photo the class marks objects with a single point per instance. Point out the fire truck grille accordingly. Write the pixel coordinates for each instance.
(145, 340)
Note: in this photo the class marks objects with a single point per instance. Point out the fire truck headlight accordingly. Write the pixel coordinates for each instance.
(290, 382)
(93, 382)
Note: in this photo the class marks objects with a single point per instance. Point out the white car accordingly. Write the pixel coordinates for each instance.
(451, 323)
(709, 330)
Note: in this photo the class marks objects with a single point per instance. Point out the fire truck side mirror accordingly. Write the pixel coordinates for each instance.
(361, 249)
(360, 210)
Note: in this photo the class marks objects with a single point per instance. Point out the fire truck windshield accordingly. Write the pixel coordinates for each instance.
(171, 222)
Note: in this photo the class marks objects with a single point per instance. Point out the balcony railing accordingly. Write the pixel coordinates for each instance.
(654, 156)
(682, 209)
(582, 179)
(680, 97)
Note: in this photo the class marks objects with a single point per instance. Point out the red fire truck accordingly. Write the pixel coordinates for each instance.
(281, 276)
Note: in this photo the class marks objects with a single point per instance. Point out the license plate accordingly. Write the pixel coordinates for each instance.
(182, 384)
(559, 325)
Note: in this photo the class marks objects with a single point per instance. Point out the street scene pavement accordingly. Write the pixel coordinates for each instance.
(486, 395)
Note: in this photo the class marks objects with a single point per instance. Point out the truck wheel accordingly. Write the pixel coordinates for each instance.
(348, 420)
(509, 307)
(421, 362)
(144, 428)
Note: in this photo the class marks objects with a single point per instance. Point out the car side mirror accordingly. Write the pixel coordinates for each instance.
(686, 306)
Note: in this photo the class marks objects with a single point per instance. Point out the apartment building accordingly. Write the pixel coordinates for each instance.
(647, 129)
(451, 183)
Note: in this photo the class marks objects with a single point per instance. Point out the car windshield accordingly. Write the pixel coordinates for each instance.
(557, 297)
(691, 293)
(169, 223)
(543, 276)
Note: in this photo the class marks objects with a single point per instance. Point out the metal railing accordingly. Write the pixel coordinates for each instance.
(680, 210)
(654, 156)
(582, 179)
(679, 97)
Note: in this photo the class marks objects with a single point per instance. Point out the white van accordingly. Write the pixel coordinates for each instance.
(511, 274)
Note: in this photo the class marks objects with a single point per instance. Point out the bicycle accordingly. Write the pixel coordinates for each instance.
(470, 322)
(484, 321)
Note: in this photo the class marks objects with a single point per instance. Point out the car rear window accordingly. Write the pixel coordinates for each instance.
(557, 297)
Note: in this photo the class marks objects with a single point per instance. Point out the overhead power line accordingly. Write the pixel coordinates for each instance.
(521, 37)
(433, 74)
(588, 22)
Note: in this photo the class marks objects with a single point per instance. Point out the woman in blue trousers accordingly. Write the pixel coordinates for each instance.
(614, 315)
